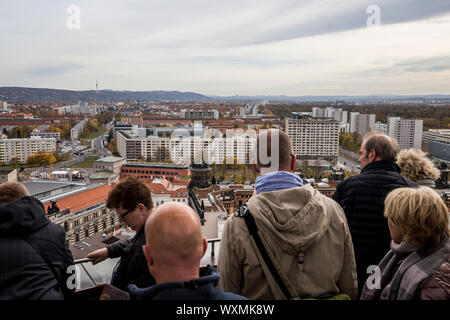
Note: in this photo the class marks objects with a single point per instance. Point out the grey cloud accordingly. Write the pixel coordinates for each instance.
(53, 70)
(435, 64)
(331, 20)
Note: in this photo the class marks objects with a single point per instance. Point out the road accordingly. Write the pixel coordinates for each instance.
(96, 148)
(97, 143)
(349, 164)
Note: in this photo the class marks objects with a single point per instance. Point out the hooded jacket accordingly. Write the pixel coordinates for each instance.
(203, 288)
(299, 224)
(23, 272)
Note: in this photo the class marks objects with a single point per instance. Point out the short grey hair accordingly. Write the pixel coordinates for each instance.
(385, 147)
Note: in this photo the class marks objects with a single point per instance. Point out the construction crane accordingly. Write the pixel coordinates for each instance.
(50, 161)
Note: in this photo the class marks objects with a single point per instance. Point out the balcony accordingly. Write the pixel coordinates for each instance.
(92, 277)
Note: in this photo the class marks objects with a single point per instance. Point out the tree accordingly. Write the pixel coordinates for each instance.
(239, 179)
(162, 154)
(41, 158)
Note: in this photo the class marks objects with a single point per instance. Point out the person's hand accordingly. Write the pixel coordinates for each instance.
(98, 255)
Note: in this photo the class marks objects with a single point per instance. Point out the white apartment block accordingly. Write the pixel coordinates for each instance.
(352, 121)
(186, 150)
(46, 135)
(3, 105)
(391, 125)
(318, 113)
(381, 127)
(408, 132)
(363, 123)
(330, 112)
(21, 149)
(200, 114)
(81, 109)
(76, 131)
(314, 138)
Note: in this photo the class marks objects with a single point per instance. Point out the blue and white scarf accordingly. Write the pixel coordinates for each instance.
(277, 180)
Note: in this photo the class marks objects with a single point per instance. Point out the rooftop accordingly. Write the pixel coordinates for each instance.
(83, 199)
(154, 165)
(109, 159)
(36, 187)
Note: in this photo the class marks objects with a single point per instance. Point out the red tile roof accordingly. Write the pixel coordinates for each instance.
(83, 199)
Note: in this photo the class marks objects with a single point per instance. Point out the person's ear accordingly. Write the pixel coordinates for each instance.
(148, 254)
(372, 155)
(293, 161)
(205, 246)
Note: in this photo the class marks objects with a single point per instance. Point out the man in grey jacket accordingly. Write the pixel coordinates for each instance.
(306, 232)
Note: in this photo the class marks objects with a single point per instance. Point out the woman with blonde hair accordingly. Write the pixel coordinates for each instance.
(418, 264)
(416, 166)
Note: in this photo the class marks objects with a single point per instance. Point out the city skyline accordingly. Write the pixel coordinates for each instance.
(228, 48)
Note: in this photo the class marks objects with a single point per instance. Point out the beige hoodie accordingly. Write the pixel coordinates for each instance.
(299, 224)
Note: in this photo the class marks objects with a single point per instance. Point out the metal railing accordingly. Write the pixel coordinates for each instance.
(93, 275)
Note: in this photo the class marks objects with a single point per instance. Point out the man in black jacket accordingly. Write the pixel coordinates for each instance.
(28, 244)
(362, 198)
(132, 201)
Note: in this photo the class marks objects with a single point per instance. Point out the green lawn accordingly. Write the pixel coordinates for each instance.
(97, 134)
(88, 163)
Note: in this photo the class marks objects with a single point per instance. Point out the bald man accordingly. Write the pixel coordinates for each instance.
(362, 198)
(305, 232)
(173, 251)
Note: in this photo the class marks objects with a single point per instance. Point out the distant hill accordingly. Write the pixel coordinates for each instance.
(20, 94)
(329, 98)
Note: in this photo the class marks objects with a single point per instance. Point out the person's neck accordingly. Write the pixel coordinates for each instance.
(177, 275)
(264, 171)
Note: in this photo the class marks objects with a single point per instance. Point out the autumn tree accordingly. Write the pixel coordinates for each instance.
(41, 158)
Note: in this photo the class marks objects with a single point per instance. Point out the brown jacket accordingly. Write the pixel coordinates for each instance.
(294, 222)
(436, 287)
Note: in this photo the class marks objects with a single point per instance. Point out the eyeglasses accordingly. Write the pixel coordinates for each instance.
(128, 211)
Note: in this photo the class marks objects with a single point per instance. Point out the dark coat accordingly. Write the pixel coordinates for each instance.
(203, 288)
(362, 198)
(23, 272)
(132, 268)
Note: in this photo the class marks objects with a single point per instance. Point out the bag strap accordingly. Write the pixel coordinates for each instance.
(44, 257)
(253, 230)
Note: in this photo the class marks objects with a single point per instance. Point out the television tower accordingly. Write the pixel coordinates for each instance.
(96, 85)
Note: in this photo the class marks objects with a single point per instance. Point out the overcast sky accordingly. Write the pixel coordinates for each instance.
(227, 47)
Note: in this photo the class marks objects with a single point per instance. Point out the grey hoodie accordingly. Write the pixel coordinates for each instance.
(307, 233)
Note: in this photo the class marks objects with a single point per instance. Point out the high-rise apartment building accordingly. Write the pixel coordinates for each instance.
(352, 121)
(381, 127)
(200, 114)
(330, 112)
(408, 132)
(314, 138)
(188, 149)
(363, 123)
